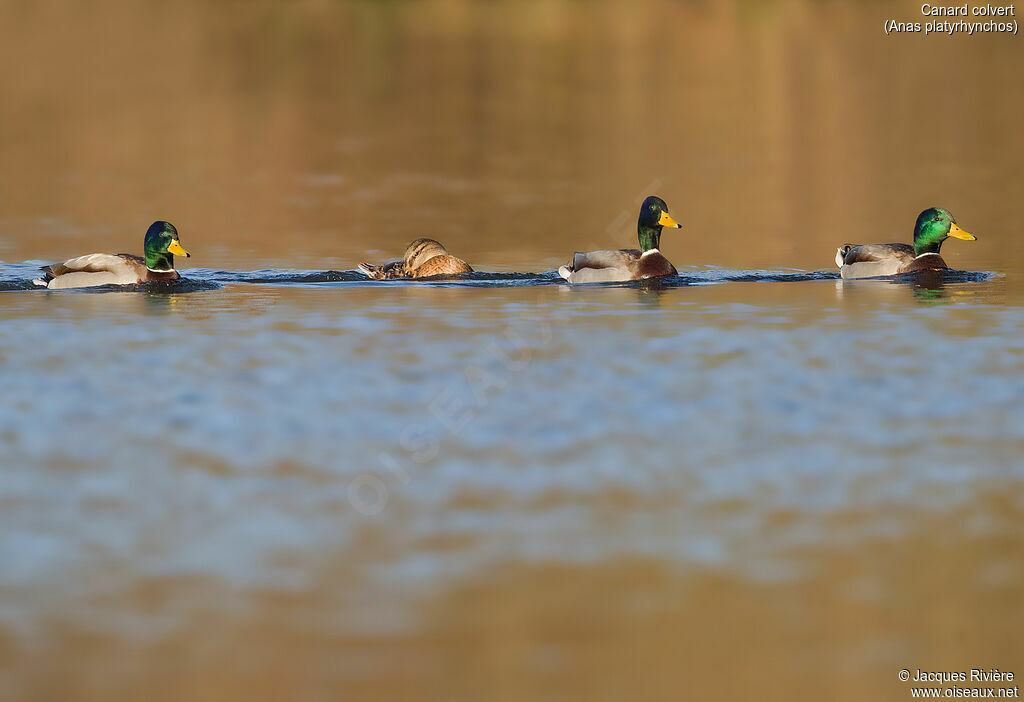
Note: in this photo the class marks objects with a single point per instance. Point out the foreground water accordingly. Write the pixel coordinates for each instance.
(317, 485)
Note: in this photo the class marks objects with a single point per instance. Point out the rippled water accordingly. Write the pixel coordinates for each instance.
(331, 462)
(276, 479)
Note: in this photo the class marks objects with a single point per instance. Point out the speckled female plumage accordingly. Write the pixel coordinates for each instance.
(424, 258)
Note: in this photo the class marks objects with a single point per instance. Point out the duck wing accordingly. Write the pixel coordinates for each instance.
(615, 258)
(602, 266)
(868, 253)
(445, 264)
(95, 269)
(873, 260)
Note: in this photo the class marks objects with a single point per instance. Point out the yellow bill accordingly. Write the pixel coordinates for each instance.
(667, 221)
(178, 249)
(960, 233)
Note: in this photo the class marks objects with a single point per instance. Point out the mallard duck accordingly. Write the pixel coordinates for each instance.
(87, 271)
(933, 227)
(424, 258)
(628, 264)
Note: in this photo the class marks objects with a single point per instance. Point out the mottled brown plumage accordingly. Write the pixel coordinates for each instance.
(424, 258)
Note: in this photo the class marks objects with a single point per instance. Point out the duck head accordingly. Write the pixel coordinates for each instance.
(933, 227)
(161, 245)
(653, 217)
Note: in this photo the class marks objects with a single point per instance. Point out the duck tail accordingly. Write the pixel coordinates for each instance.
(47, 277)
(389, 271)
(565, 272)
(841, 254)
(370, 270)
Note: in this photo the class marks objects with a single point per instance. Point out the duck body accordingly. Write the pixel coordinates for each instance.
(616, 265)
(92, 270)
(934, 226)
(622, 265)
(424, 258)
(874, 260)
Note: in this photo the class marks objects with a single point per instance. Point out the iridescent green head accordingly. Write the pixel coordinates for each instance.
(933, 227)
(653, 216)
(161, 245)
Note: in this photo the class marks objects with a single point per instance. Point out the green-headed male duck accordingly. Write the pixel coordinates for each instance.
(933, 227)
(628, 264)
(87, 271)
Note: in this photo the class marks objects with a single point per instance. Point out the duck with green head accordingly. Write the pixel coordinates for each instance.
(628, 264)
(933, 227)
(160, 246)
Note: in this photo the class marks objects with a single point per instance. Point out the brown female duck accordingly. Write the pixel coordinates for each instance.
(424, 258)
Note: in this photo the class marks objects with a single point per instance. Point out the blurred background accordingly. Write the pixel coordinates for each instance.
(738, 490)
(311, 134)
